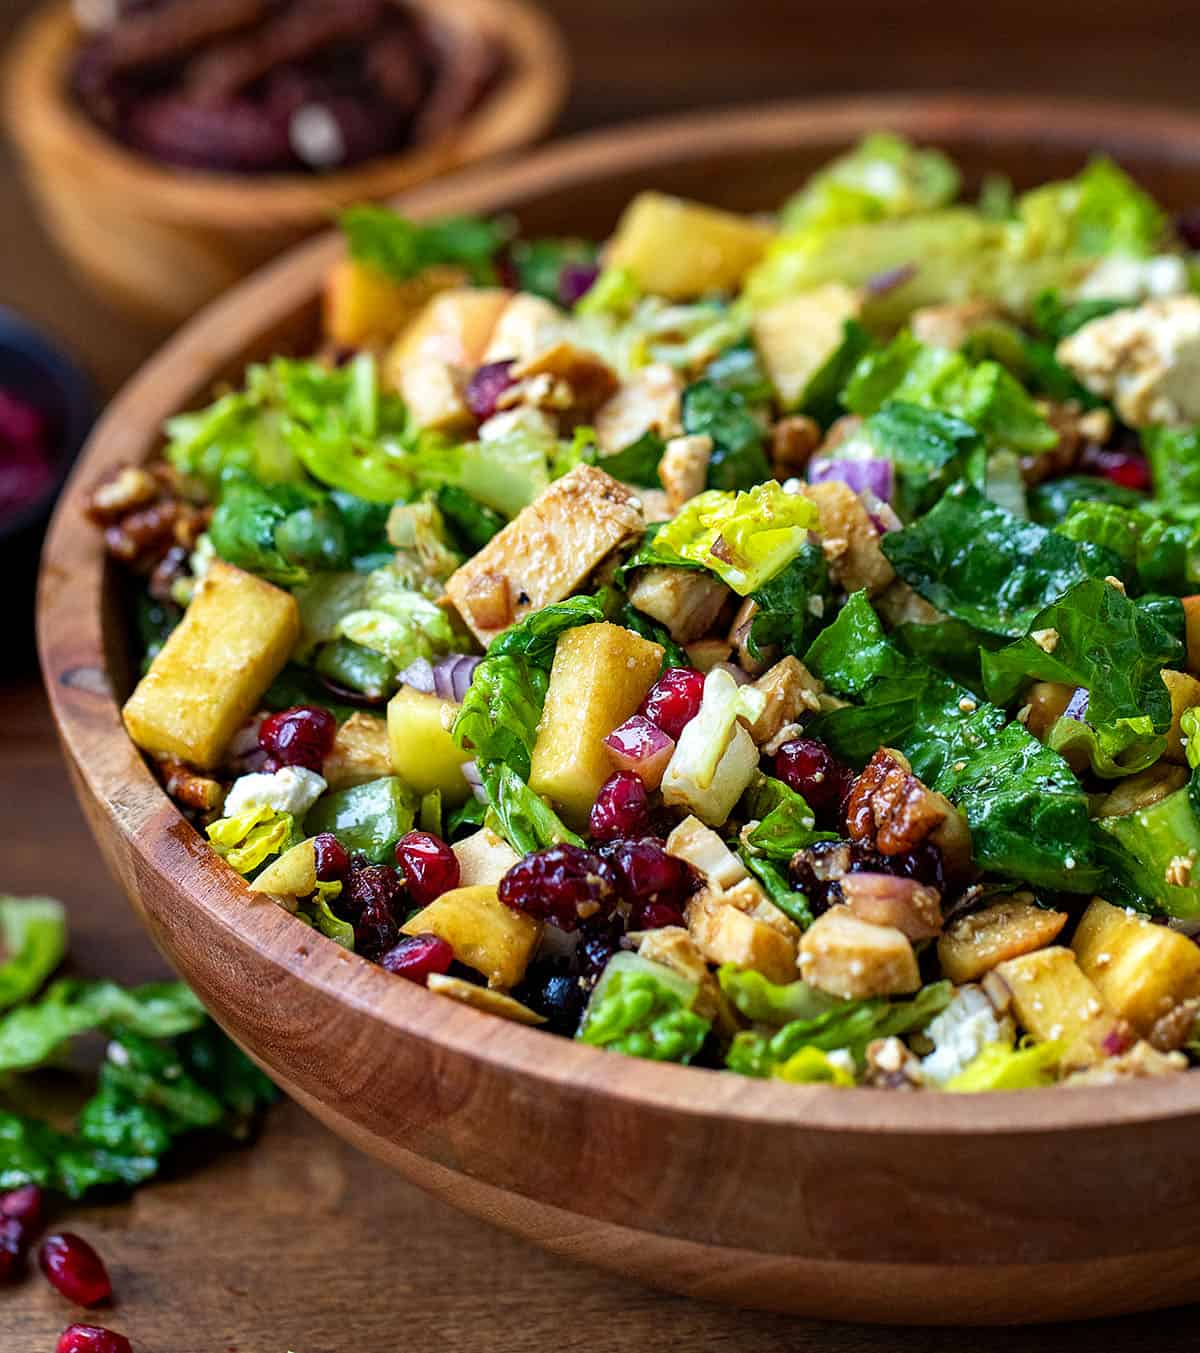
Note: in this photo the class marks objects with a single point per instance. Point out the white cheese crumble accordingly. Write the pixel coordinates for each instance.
(1121, 278)
(843, 1060)
(291, 789)
(961, 1032)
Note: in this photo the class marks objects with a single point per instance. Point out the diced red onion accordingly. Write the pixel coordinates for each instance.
(863, 476)
(575, 281)
(642, 747)
(452, 675)
(1077, 706)
(419, 675)
(880, 283)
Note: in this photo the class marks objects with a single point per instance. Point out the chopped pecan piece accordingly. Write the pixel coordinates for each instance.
(188, 786)
(891, 1066)
(892, 810)
(127, 488)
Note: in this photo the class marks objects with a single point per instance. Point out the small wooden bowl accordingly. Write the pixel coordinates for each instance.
(161, 242)
(858, 1205)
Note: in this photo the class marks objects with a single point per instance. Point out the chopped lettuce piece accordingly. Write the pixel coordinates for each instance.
(981, 564)
(784, 823)
(1174, 455)
(1050, 502)
(370, 817)
(811, 1066)
(498, 718)
(765, 1002)
(1100, 211)
(1056, 319)
(614, 293)
(643, 1009)
(470, 522)
(319, 914)
(1000, 1067)
(792, 605)
(738, 460)
(540, 264)
(246, 840)
(853, 652)
(773, 877)
(393, 620)
(523, 818)
(705, 738)
(636, 463)
(401, 248)
(33, 941)
(1140, 848)
(744, 538)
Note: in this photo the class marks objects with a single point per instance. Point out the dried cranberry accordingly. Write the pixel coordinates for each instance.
(14, 1237)
(563, 884)
(416, 956)
(486, 386)
(1123, 466)
(23, 1204)
(575, 280)
(91, 1339)
(923, 863)
(818, 869)
(674, 699)
(620, 808)
(430, 866)
(300, 736)
(808, 767)
(643, 872)
(74, 1269)
(369, 894)
(599, 941)
(332, 861)
(655, 915)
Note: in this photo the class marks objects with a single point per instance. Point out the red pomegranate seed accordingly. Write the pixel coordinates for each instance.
(620, 808)
(674, 699)
(808, 767)
(13, 1240)
(300, 736)
(23, 1204)
(416, 956)
(332, 861)
(74, 1269)
(562, 884)
(430, 867)
(91, 1339)
(486, 386)
(1129, 469)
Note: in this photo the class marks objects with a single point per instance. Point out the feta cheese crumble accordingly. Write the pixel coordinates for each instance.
(961, 1032)
(291, 789)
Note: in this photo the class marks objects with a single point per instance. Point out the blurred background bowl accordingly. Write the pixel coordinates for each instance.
(159, 241)
(42, 375)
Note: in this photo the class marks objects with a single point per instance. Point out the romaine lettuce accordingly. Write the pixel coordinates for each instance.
(784, 821)
(33, 941)
(792, 605)
(1000, 1067)
(738, 460)
(765, 1002)
(1098, 212)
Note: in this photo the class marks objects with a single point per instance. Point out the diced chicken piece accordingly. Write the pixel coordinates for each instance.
(796, 337)
(655, 504)
(431, 390)
(892, 810)
(454, 327)
(751, 897)
(701, 847)
(883, 899)
(1145, 360)
(684, 468)
(725, 934)
(686, 601)
(588, 379)
(705, 654)
(949, 326)
(360, 752)
(854, 959)
(526, 326)
(791, 690)
(648, 402)
(793, 441)
(547, 551)
(739, 640)
(1141, 1062)
(849, 539)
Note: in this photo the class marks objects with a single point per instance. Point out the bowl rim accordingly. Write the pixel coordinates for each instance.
(522, 106)
(71, 633)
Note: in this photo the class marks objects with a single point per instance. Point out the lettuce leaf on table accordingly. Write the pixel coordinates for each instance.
(33, 941)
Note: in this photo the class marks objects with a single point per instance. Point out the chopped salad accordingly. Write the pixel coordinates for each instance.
(767, 643)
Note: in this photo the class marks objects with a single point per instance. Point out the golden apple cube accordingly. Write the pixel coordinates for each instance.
(454, 327)
(600, 675)
(363, 305)
(682, 249)
(1142, 970)
(484, 933)
(423, 752)
(796, 337)
(1055, 1001)
(209, 676)
(292, 875)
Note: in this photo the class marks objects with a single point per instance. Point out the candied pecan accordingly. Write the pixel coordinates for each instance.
(141, 538)
(1059, 459)
(890, 807)
(126, 488)
(1176, 1027)
(793, 440)
(891, 1066)
(188, 786)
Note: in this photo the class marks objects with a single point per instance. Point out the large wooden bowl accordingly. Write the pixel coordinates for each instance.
(861, 1205)
(160, 242)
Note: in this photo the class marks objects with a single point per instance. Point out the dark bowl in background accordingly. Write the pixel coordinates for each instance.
(41, 373)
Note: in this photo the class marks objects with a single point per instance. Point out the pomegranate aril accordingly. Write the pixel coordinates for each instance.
(332, 861)
(416, 956)
(300, 736)
(674, 700)
(23, 1205)
(641, 747)
(430, 867)
(74, 1269)
(563, 884)
(91, 1339)
(485, 388)
(14, 1237)
(620, 808)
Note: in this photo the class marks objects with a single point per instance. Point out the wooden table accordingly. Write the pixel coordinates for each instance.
(298, 1243)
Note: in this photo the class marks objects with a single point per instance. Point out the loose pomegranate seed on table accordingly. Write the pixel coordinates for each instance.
(674, 699)
(331, 859)
(74, 1269)
(562, 884)
(429, 866)
(620, 808)
(300, 736)
(485, 388)
(416, 956)
(23, 1204)
(91, 1339)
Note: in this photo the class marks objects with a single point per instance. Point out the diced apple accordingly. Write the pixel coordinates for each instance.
(1054, 1001)
(598, 679)
(1191, 615)
(726, 934)
(683, 469)
(483, 858)
(362, 305)
(681, 249)
(1142, 970)
(686, 601)
(855, 959)
(482, 998)
(423, 753)
(454, 327)
(589, 378)
(212, 671)
(1185, 692)
(796, 337)
(548, 550)
(976, 943)
(486, 935)
(293, 874)
(360, 752)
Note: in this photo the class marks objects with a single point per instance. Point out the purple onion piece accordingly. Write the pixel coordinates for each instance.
(1077, 706)
(882, 282)
(452, 675)
(575, 281)
(863, 476)
(419, 675)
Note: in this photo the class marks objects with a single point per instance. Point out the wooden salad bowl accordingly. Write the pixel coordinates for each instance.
(160, 242)
(858, 1204)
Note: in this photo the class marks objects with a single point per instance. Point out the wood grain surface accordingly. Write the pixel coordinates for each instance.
(300, 1243)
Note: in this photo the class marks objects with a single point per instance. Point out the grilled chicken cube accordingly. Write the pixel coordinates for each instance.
(526, 326)
(454, 327)
(856, 959)
(648, 402)
(725, 934)
(547, 551)
(849, 539)
(360, 752)
(432, 391)
(791, 690)
(687, 601)
(683, 469)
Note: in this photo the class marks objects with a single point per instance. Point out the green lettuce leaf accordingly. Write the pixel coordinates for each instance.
(792, 605)
(773, 877)
(539, 263)
(1174, 455)
(1051, 502)
(852, 653)
(765, 1002)
(1098, 212)
(636, 463)
(401, 248)
(33, 941)
(643, 1013)
(999, 1067)
(523, 818)
(1139, 848)
(785, 822)
(738, 459)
